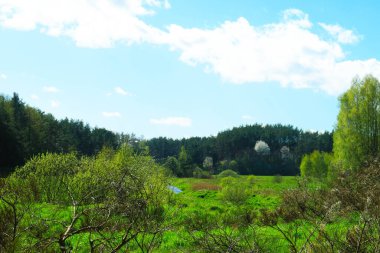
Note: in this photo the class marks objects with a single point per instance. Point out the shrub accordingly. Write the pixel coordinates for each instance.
(199, 173)
(251, 179)
(235, 193)
(277, 178)
(225, 181)
(228, 173)
(117, 196)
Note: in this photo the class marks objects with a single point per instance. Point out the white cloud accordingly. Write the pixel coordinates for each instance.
(3, 76)
(297, 17)
(55, 103)
(90, 23)
(111, 114)
(341, 34)
(50, 89)
(34, 97)
(172, 121)
(287, 52)
(121, 91)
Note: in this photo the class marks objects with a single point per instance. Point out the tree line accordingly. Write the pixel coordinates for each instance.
(26, 131)
(236, 149)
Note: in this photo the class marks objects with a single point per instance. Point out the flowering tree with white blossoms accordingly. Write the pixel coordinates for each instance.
(262, 148)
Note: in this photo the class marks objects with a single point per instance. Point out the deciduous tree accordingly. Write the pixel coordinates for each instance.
(357, 135)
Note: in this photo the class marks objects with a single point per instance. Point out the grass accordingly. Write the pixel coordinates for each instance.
(198, 196)
(204, 195)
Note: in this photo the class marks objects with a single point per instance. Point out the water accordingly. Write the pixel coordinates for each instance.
(176, 190)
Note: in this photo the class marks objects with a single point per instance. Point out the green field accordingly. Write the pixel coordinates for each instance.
(204, 196)
(199, 198)
(100, 207)
(206, 193)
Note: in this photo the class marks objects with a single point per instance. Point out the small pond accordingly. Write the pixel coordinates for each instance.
(174, 189)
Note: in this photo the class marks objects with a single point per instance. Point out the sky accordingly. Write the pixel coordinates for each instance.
(180, 68)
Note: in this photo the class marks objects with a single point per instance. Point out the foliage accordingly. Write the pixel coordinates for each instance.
(262, 148)
(251, 179)
(357, 134)
(306, 167)
(184, 162)
(172, 165)
(208, 163)
(317, 164)
(213, 235)
(26, 131)
(235, 191)
(115, 199)
(228, 173)
(199, 173)
(285, 152)
(344, 218)
(233, 149)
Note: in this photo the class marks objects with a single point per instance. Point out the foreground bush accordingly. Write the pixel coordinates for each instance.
(344, 218)
(110, 202)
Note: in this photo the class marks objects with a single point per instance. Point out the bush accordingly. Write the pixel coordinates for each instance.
(228, 173)
(277, 178)
(235, 193)
(251, 179)
(199, 173)
(118, 196)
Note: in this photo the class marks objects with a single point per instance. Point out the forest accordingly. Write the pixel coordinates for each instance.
(235, 149)
(235, 192)
(26, 131)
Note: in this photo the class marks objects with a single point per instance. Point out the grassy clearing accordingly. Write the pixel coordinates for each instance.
(206, 193)
(205, 196)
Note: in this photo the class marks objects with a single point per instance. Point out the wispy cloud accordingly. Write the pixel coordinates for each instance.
(341, 34)
(55, 103)
(121, 91)
(51, 89)
(111, 114)
(172, 121)
(3, 76)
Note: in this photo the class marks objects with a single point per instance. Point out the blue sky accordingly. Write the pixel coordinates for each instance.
(187, 68)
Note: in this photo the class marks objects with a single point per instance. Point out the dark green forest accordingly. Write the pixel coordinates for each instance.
(235, 149)
(26, 131)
